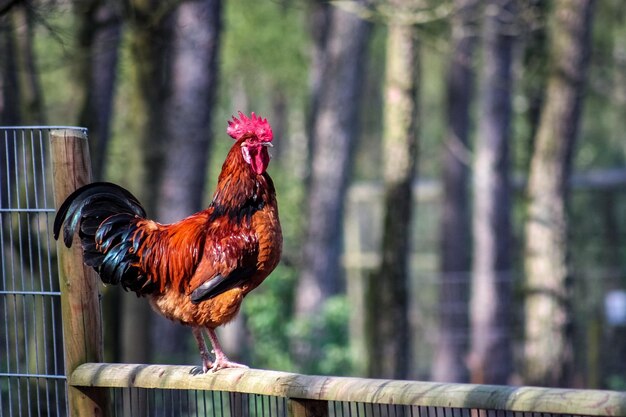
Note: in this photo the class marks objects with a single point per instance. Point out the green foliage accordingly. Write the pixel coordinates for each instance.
(431, 119)
(124, 162)
(616, 382)
(54, 45)
(266, 310)
(264, 48)
(328, 336)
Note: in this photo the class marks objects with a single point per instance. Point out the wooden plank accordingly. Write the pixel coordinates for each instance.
(82, 326)
(378, 391)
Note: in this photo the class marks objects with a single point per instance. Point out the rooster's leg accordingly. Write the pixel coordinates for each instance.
(204, 353)
(221, 361)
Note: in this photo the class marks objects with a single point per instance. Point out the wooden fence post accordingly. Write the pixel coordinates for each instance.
(82, 322)
(307, 408)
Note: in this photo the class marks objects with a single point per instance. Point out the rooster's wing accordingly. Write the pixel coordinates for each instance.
(229, 260)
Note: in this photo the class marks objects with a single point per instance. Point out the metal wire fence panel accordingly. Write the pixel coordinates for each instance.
(32, 377)
(137, 402)
(354, 409)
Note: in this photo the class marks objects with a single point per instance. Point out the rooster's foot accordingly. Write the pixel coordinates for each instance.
(222, 363)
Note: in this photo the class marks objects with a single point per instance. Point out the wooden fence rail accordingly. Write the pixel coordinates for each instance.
(308, 391)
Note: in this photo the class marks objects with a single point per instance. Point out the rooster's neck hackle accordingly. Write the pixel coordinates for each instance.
(240, 192)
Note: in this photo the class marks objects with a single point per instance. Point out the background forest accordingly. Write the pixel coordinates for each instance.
(451, 175)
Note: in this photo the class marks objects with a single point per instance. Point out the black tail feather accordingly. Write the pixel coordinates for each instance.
(104, 196)
(104, 214)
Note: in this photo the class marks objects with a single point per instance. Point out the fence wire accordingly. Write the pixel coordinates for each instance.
(138, 402)
(32, 378)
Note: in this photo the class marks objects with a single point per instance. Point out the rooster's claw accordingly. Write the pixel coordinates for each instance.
(225, 363)
(196, 370)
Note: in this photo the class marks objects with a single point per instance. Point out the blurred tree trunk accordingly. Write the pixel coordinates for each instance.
(28, 74)
(9, 85)
(603, 368)
(548, 345)
(534, 75)
(319, 21)
(187, 113)
(99, 34)
(21, 98)
(188, 108)
(450, 355)
(334, 134)
(491, 359)
(151, 24)
(387, 310)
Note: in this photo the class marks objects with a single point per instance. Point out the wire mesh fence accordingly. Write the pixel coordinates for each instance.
(135, 402)
(32, 377)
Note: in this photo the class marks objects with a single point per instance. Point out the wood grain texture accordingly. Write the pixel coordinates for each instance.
(80, 307)
(307, 408)
(324, 388)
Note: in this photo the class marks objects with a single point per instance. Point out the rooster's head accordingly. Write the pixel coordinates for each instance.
(255, 135)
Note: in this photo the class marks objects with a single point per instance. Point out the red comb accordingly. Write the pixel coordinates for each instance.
(253, 124)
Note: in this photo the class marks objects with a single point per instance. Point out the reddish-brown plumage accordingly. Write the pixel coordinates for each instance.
(196, 271)
(180, 257)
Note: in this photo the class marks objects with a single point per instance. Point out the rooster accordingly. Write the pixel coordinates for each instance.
(196, 271)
